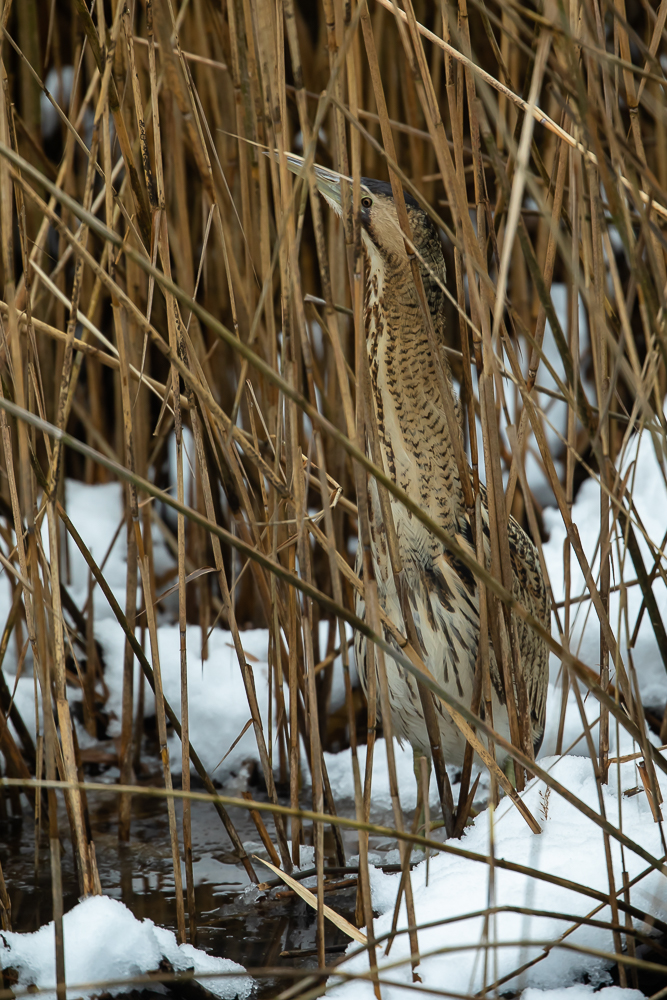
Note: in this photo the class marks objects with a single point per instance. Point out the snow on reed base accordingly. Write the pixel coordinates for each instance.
(570, 846)
(104, 943)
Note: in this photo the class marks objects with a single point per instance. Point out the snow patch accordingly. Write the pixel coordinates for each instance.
(570, 847)
(104, 942)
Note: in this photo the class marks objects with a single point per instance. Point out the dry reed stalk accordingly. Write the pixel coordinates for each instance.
(161, 237)
(146, 580)
(571, 660)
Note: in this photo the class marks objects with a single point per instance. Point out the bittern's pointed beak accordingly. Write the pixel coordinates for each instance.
(328, 181)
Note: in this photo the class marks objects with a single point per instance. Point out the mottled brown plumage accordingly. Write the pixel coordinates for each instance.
(417, 453)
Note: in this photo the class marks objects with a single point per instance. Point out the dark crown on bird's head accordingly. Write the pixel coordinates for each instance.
(380, 219)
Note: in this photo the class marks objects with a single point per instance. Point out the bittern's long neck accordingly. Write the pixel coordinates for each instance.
(413, 430)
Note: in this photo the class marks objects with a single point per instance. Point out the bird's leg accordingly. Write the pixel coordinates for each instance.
(510, 772)
(422, 787)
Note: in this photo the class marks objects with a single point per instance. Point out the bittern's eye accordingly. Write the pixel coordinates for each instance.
(366, 202)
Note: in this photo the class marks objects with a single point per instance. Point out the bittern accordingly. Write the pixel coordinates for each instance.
(418, 454)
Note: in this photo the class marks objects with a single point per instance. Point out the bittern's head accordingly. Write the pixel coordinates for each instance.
(381, 231)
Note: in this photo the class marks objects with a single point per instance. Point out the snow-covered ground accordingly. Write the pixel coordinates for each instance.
(570, 846)
(105, 943)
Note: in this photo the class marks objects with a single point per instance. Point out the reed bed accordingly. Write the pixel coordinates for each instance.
(170, 289)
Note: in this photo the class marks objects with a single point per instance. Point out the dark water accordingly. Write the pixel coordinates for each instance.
(233, 919)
